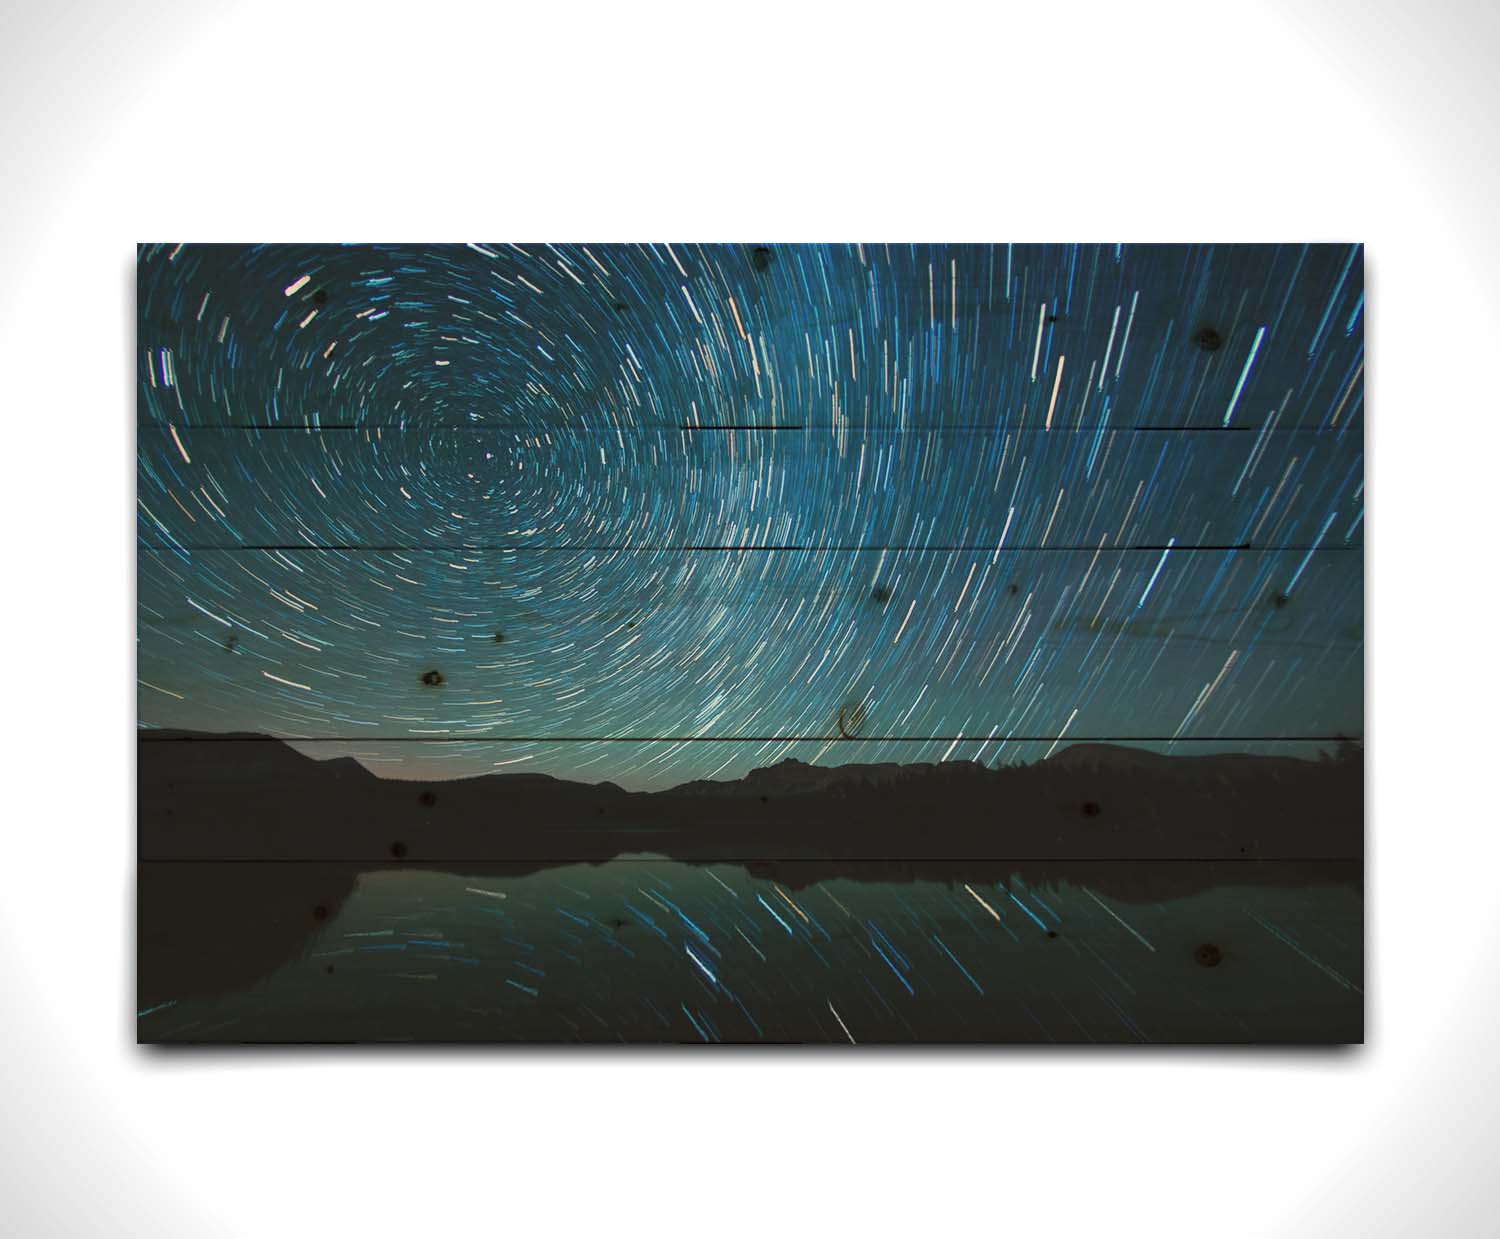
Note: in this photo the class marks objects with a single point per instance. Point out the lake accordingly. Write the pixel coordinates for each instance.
(641, 949)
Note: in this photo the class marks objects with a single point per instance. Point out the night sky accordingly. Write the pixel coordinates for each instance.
(654, 513)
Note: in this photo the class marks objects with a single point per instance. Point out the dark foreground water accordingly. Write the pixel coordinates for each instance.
(647, 950)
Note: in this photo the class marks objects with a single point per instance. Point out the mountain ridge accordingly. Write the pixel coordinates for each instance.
(259, 798)
(789, 776)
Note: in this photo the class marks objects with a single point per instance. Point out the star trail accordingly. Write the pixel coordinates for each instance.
(652, 513)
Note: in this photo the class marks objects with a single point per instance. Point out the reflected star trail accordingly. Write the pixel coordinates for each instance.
(655, 513)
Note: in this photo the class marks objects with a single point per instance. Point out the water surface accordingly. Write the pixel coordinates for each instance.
(641, 949)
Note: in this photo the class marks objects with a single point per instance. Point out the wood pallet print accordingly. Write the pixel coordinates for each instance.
(846, 643)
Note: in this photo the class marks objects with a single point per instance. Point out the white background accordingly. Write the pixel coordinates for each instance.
(779, 121)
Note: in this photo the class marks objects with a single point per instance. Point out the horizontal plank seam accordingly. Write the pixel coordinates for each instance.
(636, 548)
(731, 860)
(148, 736)
(876, 428)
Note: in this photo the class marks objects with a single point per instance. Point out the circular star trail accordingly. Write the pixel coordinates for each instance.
(652, 513)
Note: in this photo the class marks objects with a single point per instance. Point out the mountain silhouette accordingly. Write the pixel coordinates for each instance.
(247, 797)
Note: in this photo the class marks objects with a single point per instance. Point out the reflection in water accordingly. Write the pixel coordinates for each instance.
(647, 950)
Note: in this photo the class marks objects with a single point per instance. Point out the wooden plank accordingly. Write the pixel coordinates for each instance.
(782, 351)
(215, 488)
(985, 638)
(201, 797)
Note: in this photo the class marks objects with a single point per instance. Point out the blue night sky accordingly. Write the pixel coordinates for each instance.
(651, 513)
